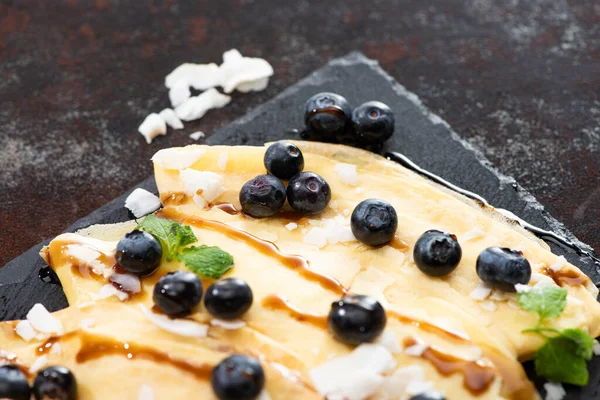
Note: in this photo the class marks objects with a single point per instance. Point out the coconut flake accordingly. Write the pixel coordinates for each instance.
(56, 349)
(178, 158)
(481, 292)
(141, 202)
(197, 135)
(153, 126)
(347, 173)
(179, 92)
(237, 70)
(195, 107)
(354, 376)
(146, 393)
(223, 158)
(593, 289)
(416, 350)
(474, 233)
(291, 226)
(25, 330)
(596, 347)
(520, 288)
(171, 118)
(199, 76)
(38, 364)
(541, 280)
(560, 262)
(109, 290)
(43, 321)
(316, 236)
(554, 391)
(86, 323)
(253, 86)
(181, 327)
(128, 282)
(204, 186)
(488, 305)
(7, 355)
(264, 395)
(389, 340)
(229, 325)
(405, 382)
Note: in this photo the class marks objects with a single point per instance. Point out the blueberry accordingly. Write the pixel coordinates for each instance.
(55, 383)
(139, 253)
(372, 122)
(327, 116)
(503, 268)
(238, 377)
(177, 293)
(228, 298)
(428, 396)
(308, 193)
(13, 383)
(437, 253)
(284, 160)
(374, 222)
(262, 196)
(356, 319)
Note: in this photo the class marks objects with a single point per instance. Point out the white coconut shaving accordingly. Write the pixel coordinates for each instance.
(38, 364)
(128, 282)
(389, 340)
(141, 202)
(7, 355)
(178, 158)
(520, 288)
(181, 327)
(481, 292)
(197, 135)
(416, 350)
(195, 107)
(204, 186)
(248, 72)
(179, 92)
(331, 230)
(596, 347)
(560, 262)
(347, 173)
(291, 226)
(474, 233)
(554, 391)
(154, 125)
(25, 330)
(316, 236)
(541, 280)
(171, 118)
(43, 321)
(229, 325)
(146, 393)
(88, 259)
(198, 76)
(109, 290)
(56, 349)
(264, 395)
(488, 305)
(223, 158)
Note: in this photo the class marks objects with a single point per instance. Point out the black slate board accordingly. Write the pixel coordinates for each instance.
(420, 135)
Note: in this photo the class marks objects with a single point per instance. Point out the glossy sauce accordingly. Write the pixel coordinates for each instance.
(398, 244)
(567, 277)
(515, 383)
(173, 198)
(93, 347)
(228, 208)
(275, 302)
(478, 375)
(297, 263)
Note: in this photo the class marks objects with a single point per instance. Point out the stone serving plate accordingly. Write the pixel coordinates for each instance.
(422, 136)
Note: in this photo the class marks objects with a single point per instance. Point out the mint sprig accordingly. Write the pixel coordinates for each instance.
(172, 235)
(563, 357)
(209, 261)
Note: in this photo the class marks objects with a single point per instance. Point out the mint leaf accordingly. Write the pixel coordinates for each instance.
(547, 302)
(583, 342)
(172, 235)
(558, 361)
(209, 261)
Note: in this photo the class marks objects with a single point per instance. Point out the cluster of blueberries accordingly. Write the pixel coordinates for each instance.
(54, 382)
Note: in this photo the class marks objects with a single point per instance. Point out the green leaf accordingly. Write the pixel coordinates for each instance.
(583, 342)
(172, 235)
(558, 361)
(209, 261)
(547, 302)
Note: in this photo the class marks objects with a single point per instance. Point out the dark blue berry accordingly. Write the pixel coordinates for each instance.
(284, 160)
(327, 116)
(437, 253)
(262, 196)
(372, 122)
(308, 193)
(228, 298)
(13, 383)
(356, 319)
(238, 377)
(55, 383)
(374, 222)
(177, 293)
(503, 268)
(139, 253)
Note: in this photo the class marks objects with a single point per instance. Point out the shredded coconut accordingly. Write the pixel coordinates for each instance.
(43, 321)
(181, 327)
(291, 226)
(389, 340)
(481, 292)
(171, 118)
(248, 72)
(25, 330)
(554, 391)
(38, 364)
(416, 350)
(347, 173)
(141, 202)
(558, 264)
(488, 305)
(204, 186)
(596, 347)
(230, 325)
(128, 282)
(177, 158)
(195, 107)
(179, 92)
(199, 76)
(154, 125)
(56, 349)
(520, 288)
(109, 290)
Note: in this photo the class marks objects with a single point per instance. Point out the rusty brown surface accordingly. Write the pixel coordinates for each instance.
(519, 80)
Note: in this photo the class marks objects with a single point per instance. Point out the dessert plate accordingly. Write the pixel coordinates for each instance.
(422, 136)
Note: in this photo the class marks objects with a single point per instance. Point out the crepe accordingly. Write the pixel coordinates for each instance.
(297, 266)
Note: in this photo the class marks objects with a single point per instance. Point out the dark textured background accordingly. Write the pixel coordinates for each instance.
(520, 80)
